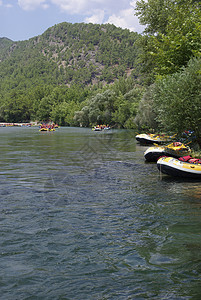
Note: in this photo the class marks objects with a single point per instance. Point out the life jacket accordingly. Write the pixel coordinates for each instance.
(190, 159)
(195, 161)
(185, 158)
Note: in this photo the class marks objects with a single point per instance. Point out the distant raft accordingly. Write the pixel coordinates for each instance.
(185, 167)
(43, 129)
(101, 127)
(97, 128)
(47, 129)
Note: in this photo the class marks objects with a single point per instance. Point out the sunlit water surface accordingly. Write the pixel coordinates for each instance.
(82, 216)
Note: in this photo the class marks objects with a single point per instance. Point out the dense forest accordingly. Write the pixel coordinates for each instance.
(84, 74)
(52, 75)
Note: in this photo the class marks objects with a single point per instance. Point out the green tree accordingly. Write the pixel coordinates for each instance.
(145, 118)
(172, 36)
(63, 113)
(154, 14)
(182, 40)
(177, 100)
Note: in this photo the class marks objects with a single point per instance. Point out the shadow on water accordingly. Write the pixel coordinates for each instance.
(170, 179)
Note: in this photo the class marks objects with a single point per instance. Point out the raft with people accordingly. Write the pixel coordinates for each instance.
(101, 127)
(47, 127)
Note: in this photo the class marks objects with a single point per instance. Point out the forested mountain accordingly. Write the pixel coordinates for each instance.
(69, 53)
(5, 43)
(73, 59)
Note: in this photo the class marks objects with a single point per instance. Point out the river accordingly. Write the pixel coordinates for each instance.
(83, 216)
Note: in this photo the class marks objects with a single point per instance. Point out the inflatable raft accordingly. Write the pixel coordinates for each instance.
(153, 153)
(43, 129)
(147, 139)
(101, 127)
(175, 149)
(186, 167)
(47, 129)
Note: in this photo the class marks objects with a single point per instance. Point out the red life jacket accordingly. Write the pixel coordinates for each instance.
(185, 158)
(190, 159)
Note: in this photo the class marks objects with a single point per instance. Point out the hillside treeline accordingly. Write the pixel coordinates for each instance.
(50, 76)
(84, 74)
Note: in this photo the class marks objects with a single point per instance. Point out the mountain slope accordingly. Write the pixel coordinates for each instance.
(71, 53)
(5, 43)
(54, 73)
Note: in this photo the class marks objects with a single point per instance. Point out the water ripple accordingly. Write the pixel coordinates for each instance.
(84, 217)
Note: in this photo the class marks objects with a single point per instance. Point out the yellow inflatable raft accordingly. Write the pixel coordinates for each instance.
(189, 168)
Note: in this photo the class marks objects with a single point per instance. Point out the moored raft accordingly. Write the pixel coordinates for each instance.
(148, 139)
(186, 167)
(175, 149)
(153, 153)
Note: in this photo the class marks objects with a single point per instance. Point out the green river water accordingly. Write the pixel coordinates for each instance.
(83, 216)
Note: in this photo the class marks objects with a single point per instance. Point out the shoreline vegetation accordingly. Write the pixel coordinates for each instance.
(21, 124)
(87, 74)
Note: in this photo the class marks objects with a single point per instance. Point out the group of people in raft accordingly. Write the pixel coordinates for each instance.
(48, 126)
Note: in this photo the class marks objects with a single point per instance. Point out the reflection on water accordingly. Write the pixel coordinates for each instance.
(84, 217)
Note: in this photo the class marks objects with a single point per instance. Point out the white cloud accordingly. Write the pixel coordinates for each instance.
(72, 6)
(125, 19)
(87, 7)
(120, 13)
(96, 18)
(32, 4)
(8, 5)
(45, 6)
(133, 3)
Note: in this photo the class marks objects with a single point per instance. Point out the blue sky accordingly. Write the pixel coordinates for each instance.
(24, 19)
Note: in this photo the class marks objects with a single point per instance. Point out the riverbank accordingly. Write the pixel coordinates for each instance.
(18, 124)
